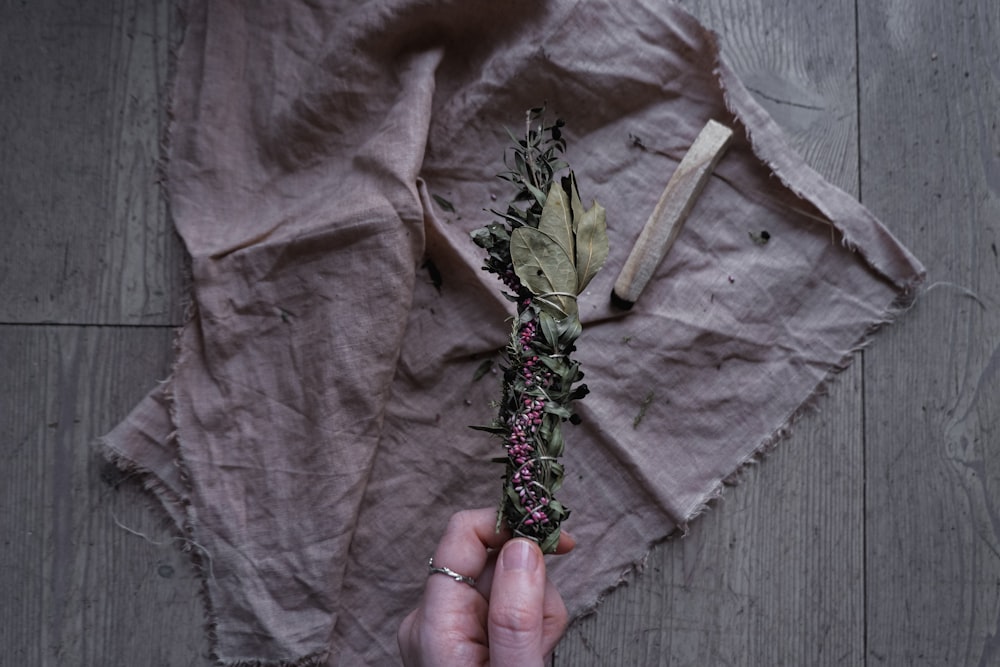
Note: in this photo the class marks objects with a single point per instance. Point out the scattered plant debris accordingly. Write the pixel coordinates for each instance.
(482, 370)
(646, 402)
(444, 203)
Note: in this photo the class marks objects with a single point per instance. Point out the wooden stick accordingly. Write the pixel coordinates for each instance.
(664, 224)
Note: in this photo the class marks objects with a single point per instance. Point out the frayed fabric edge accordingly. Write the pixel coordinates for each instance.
(907, 295)
(317, 659)
(175, 510)
(145, 479)
(907, 286)
(899, 270)
(177, 516)
(903, 302)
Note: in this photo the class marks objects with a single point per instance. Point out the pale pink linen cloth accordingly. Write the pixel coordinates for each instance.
(312, 440)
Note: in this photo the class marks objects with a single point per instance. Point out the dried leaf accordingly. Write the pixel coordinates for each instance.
(574, 198)
(483, 368)
(557, 410)
(550, 330)
(556, 443)
(557, 221)
(591, 244)
(536, 193)
(514, 139)
(548, 545)
(444, 203)
(646, 402)
(545, 269)
(492, 428)
(569, 330)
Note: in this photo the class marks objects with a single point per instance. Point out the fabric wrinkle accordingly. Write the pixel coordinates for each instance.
(313, 439)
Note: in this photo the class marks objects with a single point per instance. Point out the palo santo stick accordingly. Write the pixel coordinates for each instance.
(664, 224)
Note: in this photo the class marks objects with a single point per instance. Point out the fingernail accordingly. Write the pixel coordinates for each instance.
(520, 555)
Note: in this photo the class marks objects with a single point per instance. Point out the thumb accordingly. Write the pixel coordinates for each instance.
(517, 600)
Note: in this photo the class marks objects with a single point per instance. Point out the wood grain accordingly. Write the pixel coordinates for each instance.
(82, 110)
(930, 95)
(80, 586)
(870, 537)
(771, 575)
(774, 575)
(799, 62)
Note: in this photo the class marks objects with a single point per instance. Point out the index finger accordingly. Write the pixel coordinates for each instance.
(464, 548)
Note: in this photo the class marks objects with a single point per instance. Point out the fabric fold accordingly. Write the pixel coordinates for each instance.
(326, 167)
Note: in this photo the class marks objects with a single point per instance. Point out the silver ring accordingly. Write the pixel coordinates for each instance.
(448, 572)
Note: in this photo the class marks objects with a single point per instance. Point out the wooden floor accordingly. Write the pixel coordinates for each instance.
(870, 537)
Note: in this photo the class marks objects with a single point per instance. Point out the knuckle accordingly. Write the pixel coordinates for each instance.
(459, 521)
(515, 622)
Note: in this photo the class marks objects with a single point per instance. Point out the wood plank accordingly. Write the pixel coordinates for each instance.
(78, 588)
(930, 94)
(82, 109)
(799, 63)
(774, 574)
(771, 575)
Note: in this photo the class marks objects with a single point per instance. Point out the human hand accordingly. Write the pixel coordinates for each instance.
(512, 616)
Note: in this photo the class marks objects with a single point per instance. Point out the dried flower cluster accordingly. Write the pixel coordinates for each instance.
(545, 249)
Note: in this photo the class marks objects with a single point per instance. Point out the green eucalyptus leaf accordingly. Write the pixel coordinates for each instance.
(557, 473)
(591, 244)
(514, 139)
(545, 269)
(513, 498)
(549, 544)
(557, 220)
(536, 193)
(555, 442)
(545, 431)
(568, 373)
(558, 410)
(550, 330)
(554, 364)
(520, 164)
(569, 330)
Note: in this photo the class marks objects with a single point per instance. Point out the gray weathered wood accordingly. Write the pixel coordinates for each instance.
(930, 160)
(77, 587)
(775, 573)
(871, 536)
(82, 110)
(771, 575)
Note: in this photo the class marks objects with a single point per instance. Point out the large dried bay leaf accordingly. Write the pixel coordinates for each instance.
(576, 206)
(557, 219)
(545, 268)
(591, 244)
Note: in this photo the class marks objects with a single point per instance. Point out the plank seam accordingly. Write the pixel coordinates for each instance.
(861, 359)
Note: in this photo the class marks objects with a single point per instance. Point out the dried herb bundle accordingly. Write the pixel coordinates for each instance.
(545, 248)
